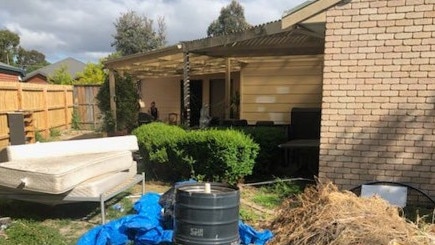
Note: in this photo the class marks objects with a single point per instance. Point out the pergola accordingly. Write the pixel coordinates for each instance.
(298, 33)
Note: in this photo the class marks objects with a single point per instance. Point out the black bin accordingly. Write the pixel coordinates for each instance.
(207, 218)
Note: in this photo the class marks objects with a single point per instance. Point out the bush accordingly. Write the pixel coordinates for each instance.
(157, 142)
(271, 156)
(75, 119)
(127, 106)
(220, 155)
(212, 155)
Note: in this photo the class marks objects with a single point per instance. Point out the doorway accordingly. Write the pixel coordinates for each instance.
(217, 98)
(195, 101)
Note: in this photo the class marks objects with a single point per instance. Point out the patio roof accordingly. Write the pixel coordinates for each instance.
(299, 32)
(208, 55)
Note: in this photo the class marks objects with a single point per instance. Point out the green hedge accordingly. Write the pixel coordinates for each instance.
(172, 153)
(270, 158)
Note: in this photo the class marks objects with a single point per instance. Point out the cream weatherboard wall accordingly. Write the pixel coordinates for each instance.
(271, 87)
(166, 92)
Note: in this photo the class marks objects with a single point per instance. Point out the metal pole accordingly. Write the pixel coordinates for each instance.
(186, 89)
(227, 88)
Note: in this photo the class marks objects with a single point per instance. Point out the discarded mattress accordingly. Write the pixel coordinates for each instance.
(59, 174)
(89, 189)
(95, 186)
(69, 148)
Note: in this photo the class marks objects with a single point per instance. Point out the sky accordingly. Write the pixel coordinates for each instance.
(84, 29)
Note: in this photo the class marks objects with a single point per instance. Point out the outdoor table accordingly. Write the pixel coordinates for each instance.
(300, 144)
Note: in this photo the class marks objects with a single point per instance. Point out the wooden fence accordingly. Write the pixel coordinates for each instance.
(85, 104)
(51, 105)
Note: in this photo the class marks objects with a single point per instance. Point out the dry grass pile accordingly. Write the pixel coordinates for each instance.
(324, 215)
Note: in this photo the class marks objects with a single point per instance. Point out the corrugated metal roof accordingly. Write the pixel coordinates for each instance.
(237, 32)
(298, 7)
(208, 54)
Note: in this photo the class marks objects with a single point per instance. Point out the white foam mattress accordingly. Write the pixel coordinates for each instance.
(69, 148)
(91, 188)
(94, 187)
(57, 175)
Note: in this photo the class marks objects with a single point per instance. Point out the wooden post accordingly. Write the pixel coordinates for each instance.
(227, 88)
(20, 96)
(112, 96)
(46, 129)
(186, 90)
(65, 104)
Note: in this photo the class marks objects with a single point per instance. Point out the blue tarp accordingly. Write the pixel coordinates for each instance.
(146, 227)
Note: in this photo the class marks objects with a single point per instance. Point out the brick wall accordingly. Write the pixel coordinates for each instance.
(378, 116)
(8, 78)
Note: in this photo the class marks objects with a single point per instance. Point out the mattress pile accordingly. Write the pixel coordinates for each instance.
(56, 172)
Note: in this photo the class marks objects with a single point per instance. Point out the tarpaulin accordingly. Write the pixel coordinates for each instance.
(146, 227)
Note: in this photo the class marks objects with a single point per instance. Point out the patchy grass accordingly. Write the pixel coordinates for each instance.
(64, 224)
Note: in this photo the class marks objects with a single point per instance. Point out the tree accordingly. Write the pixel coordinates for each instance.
(30, 60)
(92, 74)
(13, 54)
(127, 106)
(61, 76)
(9, 42)
(231, 19)
(135, 34)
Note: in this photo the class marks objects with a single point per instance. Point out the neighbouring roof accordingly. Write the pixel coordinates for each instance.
(5, 68)
(73, 66)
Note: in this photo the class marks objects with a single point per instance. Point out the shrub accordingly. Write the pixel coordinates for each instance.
(270, 156)
(213, 155)
(220, 155)
(157, 142)
(55, 132)
(127, 106)
(75, 119)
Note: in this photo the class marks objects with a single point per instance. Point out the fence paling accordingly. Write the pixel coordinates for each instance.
(86, 105)
(42, 99)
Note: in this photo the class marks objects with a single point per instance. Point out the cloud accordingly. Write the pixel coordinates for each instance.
(84, 29)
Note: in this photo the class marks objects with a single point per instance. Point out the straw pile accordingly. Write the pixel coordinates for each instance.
(322, 215)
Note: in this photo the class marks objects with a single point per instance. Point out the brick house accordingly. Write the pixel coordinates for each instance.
(377, 82)
(10, 73)
(378, 110)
